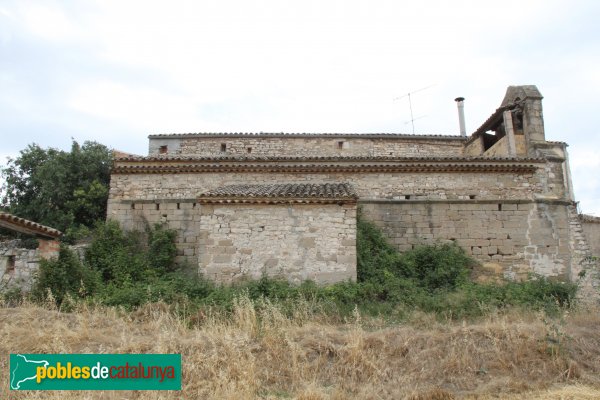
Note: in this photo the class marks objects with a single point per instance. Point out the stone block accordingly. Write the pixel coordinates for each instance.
(307, 243)
(222, 258)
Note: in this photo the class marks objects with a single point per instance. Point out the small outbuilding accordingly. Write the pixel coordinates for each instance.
(18, 262)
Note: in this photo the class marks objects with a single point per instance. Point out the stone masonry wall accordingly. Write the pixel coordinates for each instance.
(307, 146)
(18, 265)
(591, 229)
(417, 185)
(515, 223)
(297, 242)
(511, 239)
(182, 215)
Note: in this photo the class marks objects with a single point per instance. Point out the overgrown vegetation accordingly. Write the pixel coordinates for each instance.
(130, 269)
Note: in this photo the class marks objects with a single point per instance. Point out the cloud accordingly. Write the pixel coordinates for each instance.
(116, 71)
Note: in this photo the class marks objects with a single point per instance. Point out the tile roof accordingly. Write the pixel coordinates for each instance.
(245, 158)
(380, 135)
(281, 193)
(494, 119)
(23, 225)
(186, 168)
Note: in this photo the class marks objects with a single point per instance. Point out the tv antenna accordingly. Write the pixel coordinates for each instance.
(409, 94)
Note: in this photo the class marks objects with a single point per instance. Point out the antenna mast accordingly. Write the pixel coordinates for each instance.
(412, 118)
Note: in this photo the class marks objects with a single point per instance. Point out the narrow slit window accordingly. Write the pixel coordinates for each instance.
(249, 150)
(10, 264)
(340, 145)
(223, 147)
(157, 206)
(499, 207)
(178, 206)
(133, 206)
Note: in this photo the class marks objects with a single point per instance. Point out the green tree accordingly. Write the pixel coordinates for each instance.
(58, 188)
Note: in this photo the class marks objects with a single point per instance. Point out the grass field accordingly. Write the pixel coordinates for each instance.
(258, 352)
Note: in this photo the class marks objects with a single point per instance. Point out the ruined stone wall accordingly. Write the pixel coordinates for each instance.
(296, 242)
(18, 265)
(591, 229)
(308, 146)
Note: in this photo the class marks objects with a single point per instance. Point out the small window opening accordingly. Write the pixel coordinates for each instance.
(407, 197)
(163, 149)
(340, 145)
(472, 197)
(157, 206)
(133, 206)
(10, 264)
(194, 205)
(178, 206)
(499, 207)
(249, 149)
(223, 147)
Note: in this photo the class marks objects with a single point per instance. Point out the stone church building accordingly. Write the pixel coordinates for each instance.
(285, 204)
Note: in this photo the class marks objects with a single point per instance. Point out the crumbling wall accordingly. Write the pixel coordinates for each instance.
(18, 265)
(591, 229)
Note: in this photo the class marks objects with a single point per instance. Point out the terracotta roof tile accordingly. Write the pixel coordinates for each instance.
(309, 134)
(162, 158)
(288, 192)
(23, 225)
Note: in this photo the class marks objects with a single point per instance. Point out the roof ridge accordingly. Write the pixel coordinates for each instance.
(288, 134)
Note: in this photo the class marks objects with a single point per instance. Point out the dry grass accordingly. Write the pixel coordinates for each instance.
(263, 354)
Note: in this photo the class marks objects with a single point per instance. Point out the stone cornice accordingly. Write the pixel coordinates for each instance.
(304, 159)
(325, 168)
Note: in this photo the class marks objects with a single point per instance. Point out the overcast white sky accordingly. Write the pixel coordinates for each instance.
(116, 71)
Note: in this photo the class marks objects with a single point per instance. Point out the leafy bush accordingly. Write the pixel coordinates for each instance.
(118, 256)
(161, 249)
(64, 276)
(440, 266)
